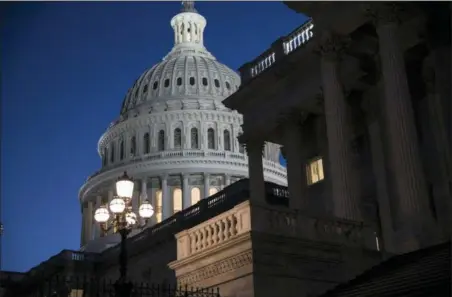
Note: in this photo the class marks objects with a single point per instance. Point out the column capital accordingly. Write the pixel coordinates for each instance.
(185, 175)
(206, 174)
(383, 13)
(164, 176)
(332, 45)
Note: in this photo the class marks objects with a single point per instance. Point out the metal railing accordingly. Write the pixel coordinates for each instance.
(86, 286)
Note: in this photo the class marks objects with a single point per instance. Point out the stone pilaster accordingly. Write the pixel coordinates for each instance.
(296, 167)
(185, 191)
(167, 210)
(254, 149)
(344, 184)
(206, 185)
(414, 221)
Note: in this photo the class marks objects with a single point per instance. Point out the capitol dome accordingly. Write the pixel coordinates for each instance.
(173, 135)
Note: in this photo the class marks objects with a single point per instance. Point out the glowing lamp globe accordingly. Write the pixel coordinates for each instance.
(101, 215)
(146, 210)
(131, 218)
(124, 186)
(117, 205)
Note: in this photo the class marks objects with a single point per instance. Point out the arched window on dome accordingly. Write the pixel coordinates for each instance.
(112, 152)
(145, 89)
(105, 157)
(155, 85)
(177, 138)
(177, 200)
(121, 150)
(158, 206)
(179, 81)
(204, 81)
(133, 146)
(227, 140)
(146, 143)
(167, 81)
(195, 195)
(194, 138)
(217, 82)
(228, 86)
(161, 140)
(210, 139)
(192, 81)
(213, 191)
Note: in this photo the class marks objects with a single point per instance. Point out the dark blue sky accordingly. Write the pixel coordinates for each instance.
(65, 68)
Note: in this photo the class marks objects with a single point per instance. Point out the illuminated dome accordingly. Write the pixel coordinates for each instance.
(189, 71)
(174, 136)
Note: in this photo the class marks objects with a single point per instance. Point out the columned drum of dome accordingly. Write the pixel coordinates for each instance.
(173, 134)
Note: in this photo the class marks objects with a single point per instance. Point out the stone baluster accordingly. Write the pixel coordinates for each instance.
(344, 184)
(256, 170)
(415, 224)
(186, 191)
(296, 171)
(206, 185)
(166, 199)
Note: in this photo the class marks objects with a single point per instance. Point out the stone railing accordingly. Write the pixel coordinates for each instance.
(202, 211)
(271, 167)
(278, 50)
(271, 220)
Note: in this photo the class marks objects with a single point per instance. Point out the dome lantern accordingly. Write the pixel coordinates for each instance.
(188, 26)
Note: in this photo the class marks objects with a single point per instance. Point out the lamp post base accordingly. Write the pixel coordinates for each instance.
(123, 288)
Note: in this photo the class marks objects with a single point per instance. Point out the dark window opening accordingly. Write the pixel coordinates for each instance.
(192, 81)
(210, 139)
(179, 81)
(204, 81)
(155, 85)
(228, 86)
(194, 138)
(136, 93)
(146, 144)
(133, 146)
(227, 140)
(161, 140)
(112, 153)
(217, 83)
(177, 138)
(121, 150)
(166, 83)
(145, 89)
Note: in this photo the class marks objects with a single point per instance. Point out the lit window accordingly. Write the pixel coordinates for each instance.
(177, 200)
(210, 139)
(195, 195)
(194, 138)
(158, 206)
(227, 140)
(146, 144)
(177, 138)
(314, 171)
(213, 191)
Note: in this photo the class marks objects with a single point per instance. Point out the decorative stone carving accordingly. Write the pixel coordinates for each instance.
(217, 268)
(332, 45)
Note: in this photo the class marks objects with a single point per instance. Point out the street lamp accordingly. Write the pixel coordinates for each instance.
(121, 217)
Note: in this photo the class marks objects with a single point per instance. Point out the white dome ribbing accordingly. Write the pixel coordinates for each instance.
(188, 71)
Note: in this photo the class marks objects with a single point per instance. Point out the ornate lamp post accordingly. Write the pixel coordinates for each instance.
(121, 217)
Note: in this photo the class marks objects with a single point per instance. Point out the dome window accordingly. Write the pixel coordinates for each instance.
(112, 153)
(167, 83)
(121, 150)
(179, 81)
(145, 89)
(194, 138)
(217, 83)
(192, 81)
(210, 139)
(161, 140)
(105, 156)
(227, 140)
(155, 85)
(228, 86)
(133, 146)
(146, 143)
(136, 93)
(204, 81)
(177, 138)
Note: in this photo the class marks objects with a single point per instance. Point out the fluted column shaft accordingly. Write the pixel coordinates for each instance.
(344, 184)
(296, 171)
(256, 170)
(206, 185)
(401, 130)
(185, 192)
(166, 199)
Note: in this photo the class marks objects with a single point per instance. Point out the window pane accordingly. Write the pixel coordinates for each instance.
(210, 139)
(161, 140)
(194, 138)
(177, 200)
(158, 206)
(213, 191)
(227, 140)
(177, 138)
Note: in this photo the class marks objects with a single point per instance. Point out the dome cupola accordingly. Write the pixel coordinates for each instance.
(189, 77)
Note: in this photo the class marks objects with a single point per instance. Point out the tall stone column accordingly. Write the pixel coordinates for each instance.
(345, 191)
(254, 150)
(296, 171)
(166, 199)
(206, 185)
(89, 222)
(185, 191)
(414, 222)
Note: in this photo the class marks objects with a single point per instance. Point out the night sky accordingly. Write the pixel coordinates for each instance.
(65, 69)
